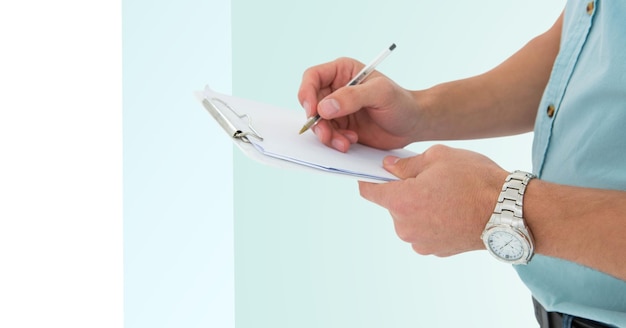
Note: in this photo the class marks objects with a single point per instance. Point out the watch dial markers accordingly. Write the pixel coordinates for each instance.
(506, 245)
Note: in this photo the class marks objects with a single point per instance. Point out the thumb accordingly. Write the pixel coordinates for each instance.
(403, 168)
(374, 93)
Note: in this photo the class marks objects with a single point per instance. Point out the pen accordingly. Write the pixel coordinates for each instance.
(360, 77)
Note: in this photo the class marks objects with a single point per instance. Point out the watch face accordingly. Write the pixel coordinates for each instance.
(506, 245)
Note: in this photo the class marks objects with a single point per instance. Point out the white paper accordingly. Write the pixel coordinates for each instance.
(282, 146)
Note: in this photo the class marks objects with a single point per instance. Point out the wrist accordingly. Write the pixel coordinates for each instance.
(424, 107)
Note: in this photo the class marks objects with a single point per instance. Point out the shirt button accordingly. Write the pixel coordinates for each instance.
(550, 111)
(590, 7)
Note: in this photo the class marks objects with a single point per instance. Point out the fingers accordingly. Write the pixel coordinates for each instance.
(339, 139)
(375, 92)
(342, 103)
(321, 80)
(323, 92)
(375, 193)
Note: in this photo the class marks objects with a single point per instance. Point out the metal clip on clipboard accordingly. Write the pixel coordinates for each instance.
(226, 124)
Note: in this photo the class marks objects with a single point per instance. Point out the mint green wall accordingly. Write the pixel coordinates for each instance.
(309, 252)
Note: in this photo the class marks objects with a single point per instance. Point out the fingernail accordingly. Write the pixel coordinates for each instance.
(337, 144)
(307, 108)
(314, 129)
(329, 107)
(390, 160)
(352, 137)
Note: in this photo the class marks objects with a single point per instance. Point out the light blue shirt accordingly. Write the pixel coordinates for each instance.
(583, 144)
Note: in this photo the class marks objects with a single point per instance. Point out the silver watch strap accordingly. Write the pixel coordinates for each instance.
(509, 207)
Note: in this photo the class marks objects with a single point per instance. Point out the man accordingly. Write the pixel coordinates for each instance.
(447, 199)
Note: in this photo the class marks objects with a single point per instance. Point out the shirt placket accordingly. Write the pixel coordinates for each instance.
(577, 25)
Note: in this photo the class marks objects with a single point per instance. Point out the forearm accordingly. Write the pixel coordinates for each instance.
(583, 225)
(502, 101)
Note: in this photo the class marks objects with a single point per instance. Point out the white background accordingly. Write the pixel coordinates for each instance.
(61, 164)
(61, 181)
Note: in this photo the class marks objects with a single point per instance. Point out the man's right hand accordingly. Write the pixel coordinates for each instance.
(377, 112)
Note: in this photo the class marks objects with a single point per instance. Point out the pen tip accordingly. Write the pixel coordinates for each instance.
(393, 46)
(304, 128)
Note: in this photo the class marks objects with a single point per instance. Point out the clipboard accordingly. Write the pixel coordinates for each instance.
(269, 134)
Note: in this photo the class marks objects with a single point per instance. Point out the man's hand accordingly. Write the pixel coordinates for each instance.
(376, 113)
(443, 201)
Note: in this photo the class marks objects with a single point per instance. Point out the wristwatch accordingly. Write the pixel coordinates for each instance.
(506, 235)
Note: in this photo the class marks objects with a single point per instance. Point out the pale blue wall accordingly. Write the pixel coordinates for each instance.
(178, 242)
(309, 252)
